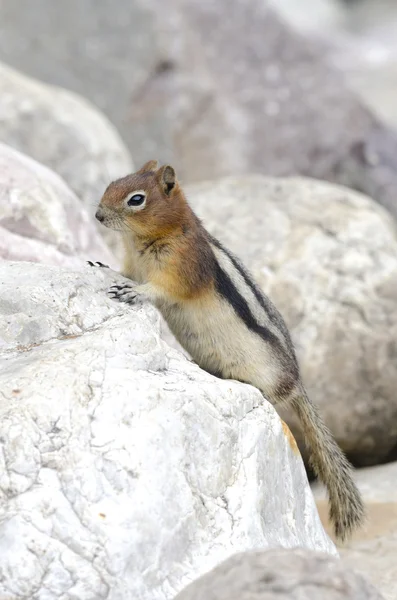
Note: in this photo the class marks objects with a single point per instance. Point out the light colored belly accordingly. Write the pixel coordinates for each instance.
(221, 343)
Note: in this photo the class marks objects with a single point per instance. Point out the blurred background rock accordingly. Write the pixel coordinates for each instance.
(230, 86)
(269, 88)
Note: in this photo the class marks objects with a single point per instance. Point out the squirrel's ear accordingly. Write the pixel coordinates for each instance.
(151, 165)
(167, 178)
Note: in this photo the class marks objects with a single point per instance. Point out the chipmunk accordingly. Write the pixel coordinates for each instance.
(217, 312)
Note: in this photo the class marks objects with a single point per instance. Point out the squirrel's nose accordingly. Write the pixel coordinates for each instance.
(99, 215)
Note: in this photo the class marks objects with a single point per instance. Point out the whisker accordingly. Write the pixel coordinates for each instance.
(126, 225)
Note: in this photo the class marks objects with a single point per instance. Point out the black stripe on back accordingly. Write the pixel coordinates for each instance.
(226, 288)
(272, 312)
(289, 370)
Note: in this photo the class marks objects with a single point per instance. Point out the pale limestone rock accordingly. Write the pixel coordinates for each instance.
(126, 471)
(41, 219)
(280, 575)
(327, 257)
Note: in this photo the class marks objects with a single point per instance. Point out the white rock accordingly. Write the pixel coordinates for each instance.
(126, 471)
(41, 219)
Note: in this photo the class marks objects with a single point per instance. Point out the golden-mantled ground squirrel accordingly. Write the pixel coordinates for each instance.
(217, 313)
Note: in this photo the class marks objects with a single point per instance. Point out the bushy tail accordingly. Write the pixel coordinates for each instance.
(333, 469)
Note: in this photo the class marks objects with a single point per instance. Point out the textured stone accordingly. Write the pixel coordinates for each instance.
(41, 219)
(126, 471)
(327, 257)
(280, 575)
(373, 549)
(255, 97)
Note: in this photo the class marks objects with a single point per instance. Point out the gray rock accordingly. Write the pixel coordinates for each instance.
(280, 575)
(255, 97)
(361, 43)
(41, 219)
(99, 52)
(327, 257)
(125, 470)
(277, 90)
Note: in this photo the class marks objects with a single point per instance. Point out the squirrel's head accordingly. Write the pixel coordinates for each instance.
(148, 202)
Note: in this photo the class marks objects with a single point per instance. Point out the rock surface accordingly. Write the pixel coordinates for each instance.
(41, 219)
(280, 575)
(373, 549)
(64, 132)
(126, 471)
(257, 97)
(327, 257)
(67, 134)
(314, 16)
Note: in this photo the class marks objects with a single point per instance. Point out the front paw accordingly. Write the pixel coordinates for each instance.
(97, 264)
(124, 293)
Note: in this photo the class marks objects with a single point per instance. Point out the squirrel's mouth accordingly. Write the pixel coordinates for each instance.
(113, 224)
(110, 221)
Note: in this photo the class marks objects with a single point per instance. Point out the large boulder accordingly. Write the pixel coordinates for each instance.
(327, 257)
(373, 549)
(41, 219)
(125, 470)
(67, 134)
(64, 132)
(278, 575)
(256, 97)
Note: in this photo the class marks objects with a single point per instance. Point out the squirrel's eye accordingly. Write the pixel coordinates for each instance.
(136, 200)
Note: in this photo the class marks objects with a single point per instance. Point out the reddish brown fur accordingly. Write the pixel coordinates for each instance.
(166, 232)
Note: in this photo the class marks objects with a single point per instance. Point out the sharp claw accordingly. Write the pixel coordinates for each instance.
(120, 287)
(97, 264)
